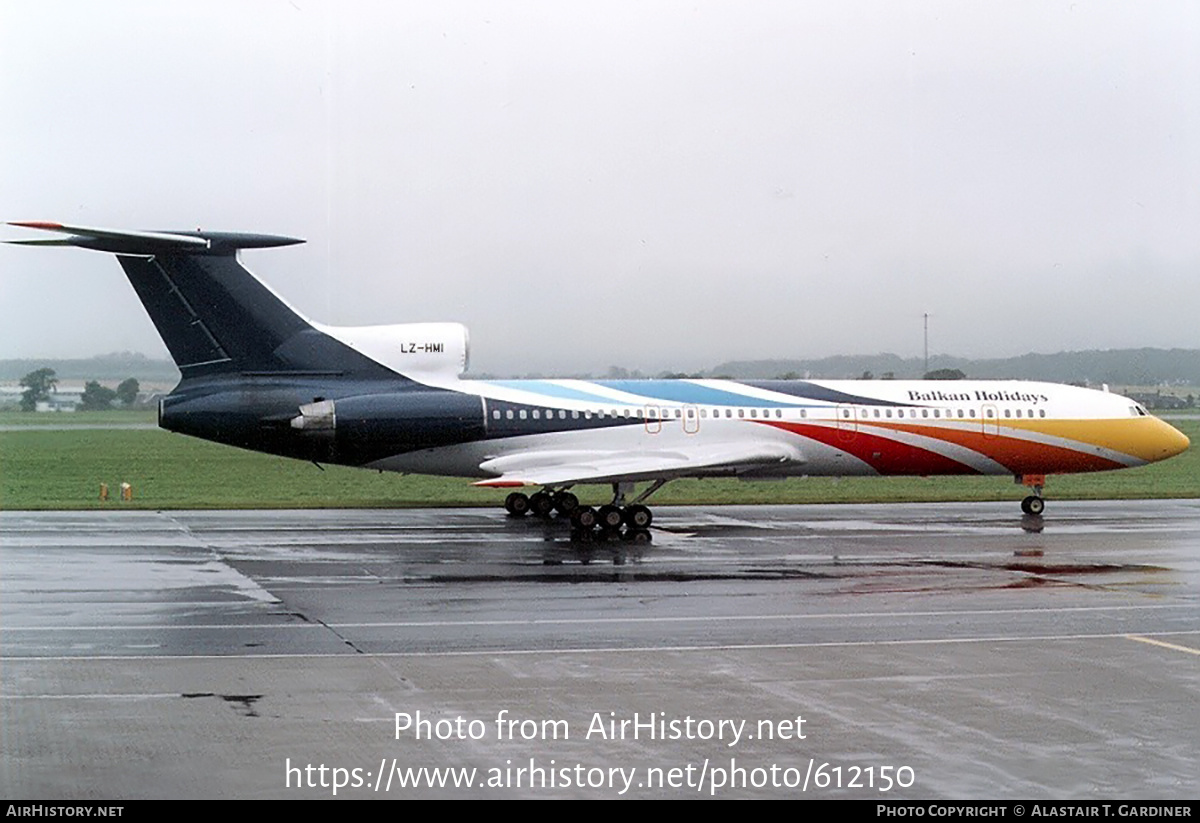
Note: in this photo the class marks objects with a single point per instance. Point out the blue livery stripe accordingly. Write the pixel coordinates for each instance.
(547, 388)
(682, 391)
(657, 393)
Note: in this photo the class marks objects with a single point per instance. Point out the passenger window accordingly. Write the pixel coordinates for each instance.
(804, 412)
(1018, 412)
(536, 414)
(754, 412)
(575, 414)
(924, 412)
(729, 412)
(562, 414)
(523, 415)
(779, 413)
(496, 414)
(1041, 412)
(741, 412)
(1007, 413)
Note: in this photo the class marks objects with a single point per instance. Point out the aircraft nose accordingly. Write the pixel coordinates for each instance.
(1171, 441)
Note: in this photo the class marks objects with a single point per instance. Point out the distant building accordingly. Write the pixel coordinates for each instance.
(62, 399)
(1158, 400)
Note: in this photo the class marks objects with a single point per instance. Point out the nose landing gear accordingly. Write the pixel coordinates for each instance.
(1034, 504)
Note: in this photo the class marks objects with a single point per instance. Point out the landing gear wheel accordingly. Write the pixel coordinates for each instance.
(584, 518)
(610, 517)
(1033, 505)
(638, 517)
(541, 504)
(565, 503)
(516, 504)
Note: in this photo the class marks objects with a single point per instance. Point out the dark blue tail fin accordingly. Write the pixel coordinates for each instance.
(213, 315)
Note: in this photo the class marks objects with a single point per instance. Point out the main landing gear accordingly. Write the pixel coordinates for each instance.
(541, 504)
(1034, 504)
(609, 517)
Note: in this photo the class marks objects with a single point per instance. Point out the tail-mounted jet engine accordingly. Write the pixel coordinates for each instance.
(365, 428)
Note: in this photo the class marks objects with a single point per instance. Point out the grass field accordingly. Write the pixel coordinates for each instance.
(64, 470)
(79, 418)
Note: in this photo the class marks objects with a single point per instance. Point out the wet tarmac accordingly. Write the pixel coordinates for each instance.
(951, 650)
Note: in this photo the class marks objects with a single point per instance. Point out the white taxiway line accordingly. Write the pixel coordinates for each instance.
(600, 650)
(569, 621)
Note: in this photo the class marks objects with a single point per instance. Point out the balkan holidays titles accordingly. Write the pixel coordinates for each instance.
(977, 396)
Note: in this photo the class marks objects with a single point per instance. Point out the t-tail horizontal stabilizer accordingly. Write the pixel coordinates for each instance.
(151, 242)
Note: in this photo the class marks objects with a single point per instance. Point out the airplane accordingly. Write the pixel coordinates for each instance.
(258, 374)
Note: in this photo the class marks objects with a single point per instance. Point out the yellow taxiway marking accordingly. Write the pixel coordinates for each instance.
(1162, 643)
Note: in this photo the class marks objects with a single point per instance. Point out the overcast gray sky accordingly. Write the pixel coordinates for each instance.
(650, 184)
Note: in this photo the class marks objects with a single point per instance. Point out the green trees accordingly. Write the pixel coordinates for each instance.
(38, 385)
(945, 374)
(41, 385)
(127, 392)
(96, 397)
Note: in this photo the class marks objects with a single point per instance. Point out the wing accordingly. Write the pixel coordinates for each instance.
(545, 467)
